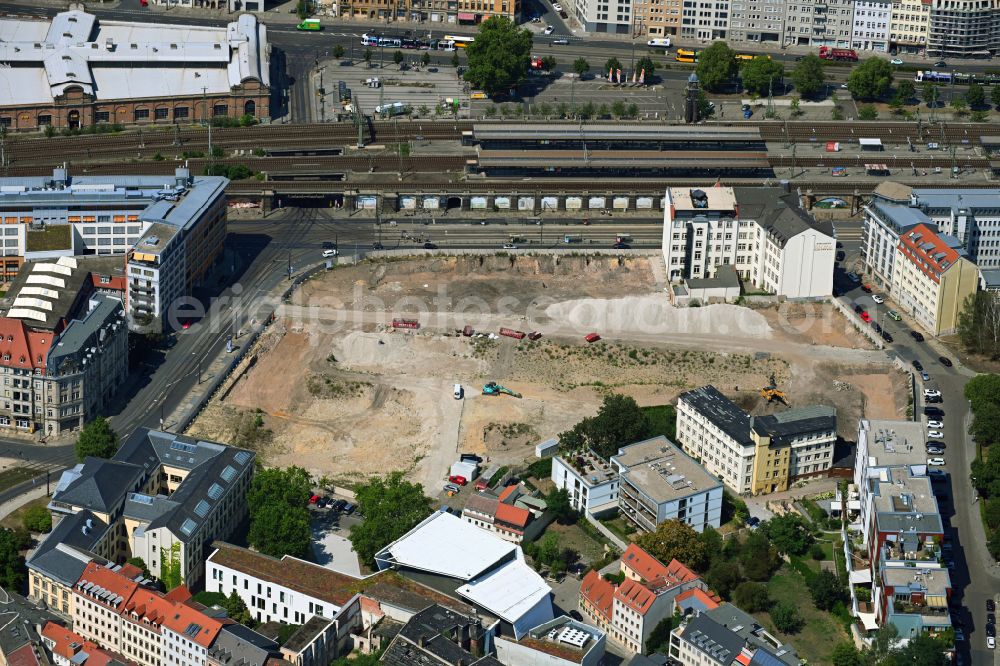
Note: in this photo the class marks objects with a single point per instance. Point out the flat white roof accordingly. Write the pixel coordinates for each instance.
(447, 545)
(154, 82)
(508, 592)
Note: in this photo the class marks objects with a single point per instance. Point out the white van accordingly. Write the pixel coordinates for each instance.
(458, 392)
(659, 42)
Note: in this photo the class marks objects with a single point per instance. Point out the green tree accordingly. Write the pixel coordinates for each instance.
(49, 131)
(425, 59)
(712, 541)
(723, 577)
(905, 91)
(397, 57)
(499, 57)
(581, 66)
(826, 590)
(761, 75)
(786, 618)
(618, 422)
(959, 105)
(995, 96)
(931, 93)
(809, 76)
(12, 569)
(549, 63)
(645, 63)
(983, 390)
(975, 96)
(751, 597)
(548, 548)
(659, 637)
(369, 54)
(338, 51)
(882, 648)
(789, 533)
(674, 540)
(170, 566)
(454, 60)
(236, 609)
(37, 519)
(612, 64)
(845, 654)
(618, 109)
(290, 486)
(392, 507)
(560, 507)
(871, 79)
(867, 112)
(278, 529)
(97, 439)
(923, 650)
(633, 112)
(372, 659)
(759, 558)
(140, 564)
(716, 67)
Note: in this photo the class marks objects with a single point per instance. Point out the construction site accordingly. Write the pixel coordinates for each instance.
(358, 376)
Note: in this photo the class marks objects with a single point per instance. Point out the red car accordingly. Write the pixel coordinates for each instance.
(592, 337)
(867, 288)
(314, 499)
(457, 480)
(864, 317)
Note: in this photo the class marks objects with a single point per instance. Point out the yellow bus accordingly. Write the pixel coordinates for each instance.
(751, 56)
(459, 41)
(686, 55)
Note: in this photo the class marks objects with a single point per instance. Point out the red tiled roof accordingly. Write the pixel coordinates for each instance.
(183, 620)
(598, 592)
(507, 492)
(743, 659)
(150, 606)
(26, 348)
(635, 595)
(63, 638)
(23, 656)
(678, 573)
(513, 515)
(699, 594)
(921, 245)
(180, 594)
(109, 580)
(643, 564)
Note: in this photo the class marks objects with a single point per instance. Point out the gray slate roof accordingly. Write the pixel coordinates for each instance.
(713, 639)
(432, 626)
(721, 411)
(97, 484)
(91, 330)
(777, 213)
(307, 633)
(237, 645)
(64, 553)
(787, 425)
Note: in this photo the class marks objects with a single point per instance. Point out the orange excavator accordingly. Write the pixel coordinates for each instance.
(771, 393)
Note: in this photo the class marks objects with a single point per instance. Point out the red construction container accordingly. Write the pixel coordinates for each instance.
(511, 333)
(592, 337)
(405, 323)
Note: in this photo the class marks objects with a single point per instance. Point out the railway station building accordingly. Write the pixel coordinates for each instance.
(75, 71)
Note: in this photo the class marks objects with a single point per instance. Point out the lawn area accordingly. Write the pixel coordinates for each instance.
(662, 420)
(620, 527)
(571, 536)
(15, 475)
(13, 521)
(821, 632)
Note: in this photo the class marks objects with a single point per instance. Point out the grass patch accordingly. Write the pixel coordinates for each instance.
(210, 598)
(821, 632)
(817, 514)
(14, 521)
(15, 475)
(620, 527)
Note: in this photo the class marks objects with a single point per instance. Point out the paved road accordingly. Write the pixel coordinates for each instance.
(975, 577)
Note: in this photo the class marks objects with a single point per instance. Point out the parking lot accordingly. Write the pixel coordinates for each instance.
(331, 546)
(425, 91)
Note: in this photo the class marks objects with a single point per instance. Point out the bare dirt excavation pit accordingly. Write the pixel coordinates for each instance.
(333, 388)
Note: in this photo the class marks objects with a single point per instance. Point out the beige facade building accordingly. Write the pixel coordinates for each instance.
(932, 278)
(909, 25)
(440, 13)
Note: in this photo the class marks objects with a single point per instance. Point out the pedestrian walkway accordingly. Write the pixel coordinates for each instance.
(614, 538)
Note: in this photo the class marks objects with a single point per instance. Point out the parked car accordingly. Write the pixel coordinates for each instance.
(886, 336)
(934, 451)
(991, 630)
(314, 499)
(990, 617)
(936, 425)
(945, 361)
(934, 412)
(865, 317)
(924, 376)
(932, 393)
(430, 246)
(991, 642)
(620, 246)
(349, 508)
(878, 299)
(858, 309)
(933, 399)
(853, 277)
(509, 246)
(895, 61)
(548, 30)
(339, 505)
(893, 315)
(458, 479)
(878, 329)
(936, 443)
(451, 488)
(867, 288)
(935, 433)
(991, 607)
(919, 337)
(935, 462)
(917, 365)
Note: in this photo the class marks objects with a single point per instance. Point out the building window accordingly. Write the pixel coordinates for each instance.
(220, 110)
(44, 119)
(142, 114)
(181, 112)
(162, 113)
(102, 116)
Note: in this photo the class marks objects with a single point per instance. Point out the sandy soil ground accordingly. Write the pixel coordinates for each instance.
(348, 397)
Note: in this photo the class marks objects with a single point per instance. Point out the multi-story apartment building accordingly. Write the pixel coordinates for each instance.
(71, 649)
(462, 12)
(660, 482)
(760, 21)
(591, 482)
(963, 28)
(754, 455)
(870, 29)
(163, 497)
(559, 642)
(932, 279)
(705, 20)
(64, 347)
(630, 611)
(170, 231)
(724, 636)
(819, 23)
(887, 216)
(763, 233)
(130, 72)
(909, 24)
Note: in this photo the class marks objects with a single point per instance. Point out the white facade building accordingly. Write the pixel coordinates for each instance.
(592, 484)
(870, 29)
(763, 233)
(715, 432)
(705, 20)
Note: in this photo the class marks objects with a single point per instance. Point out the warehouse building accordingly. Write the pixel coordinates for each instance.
(75, 71)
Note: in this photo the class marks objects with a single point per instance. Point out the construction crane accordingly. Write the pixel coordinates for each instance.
(492, 388)
(771, 393)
